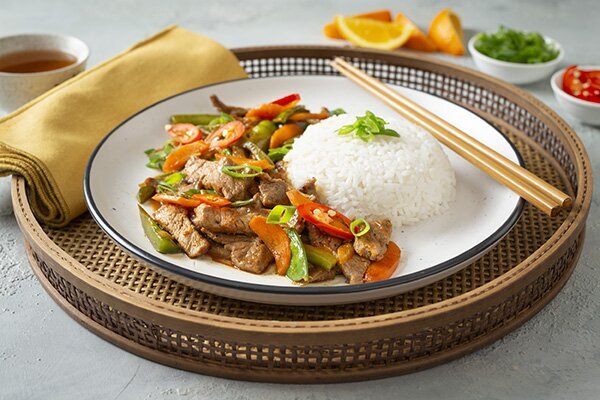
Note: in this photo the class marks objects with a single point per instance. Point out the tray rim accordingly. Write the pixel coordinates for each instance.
(433, 273)
(513, 280)
(298, 376)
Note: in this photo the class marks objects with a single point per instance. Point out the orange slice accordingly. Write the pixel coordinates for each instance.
(446, 32)
(418, 40)
(331, 31)
(373, 34)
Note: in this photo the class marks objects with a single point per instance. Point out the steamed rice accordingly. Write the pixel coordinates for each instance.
(406, 179)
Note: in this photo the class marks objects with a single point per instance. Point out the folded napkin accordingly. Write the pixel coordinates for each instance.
(49, 140)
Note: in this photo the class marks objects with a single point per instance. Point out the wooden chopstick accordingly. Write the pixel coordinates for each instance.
(533, 189)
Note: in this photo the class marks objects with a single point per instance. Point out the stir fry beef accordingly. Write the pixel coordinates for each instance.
(272, 191)
(374, 243)
(310, 189)
(354, 269)
(320, 239)
(251, 255)
(209, 175)
(174, 219)
(246, 253)
(318, 274)
(224, 108)
(225, 220)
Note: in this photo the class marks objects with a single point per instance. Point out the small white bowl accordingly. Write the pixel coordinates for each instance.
(517, 73)
(17, 89)
(586, 111)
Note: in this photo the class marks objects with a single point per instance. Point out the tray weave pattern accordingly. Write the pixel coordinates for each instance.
(191, 329)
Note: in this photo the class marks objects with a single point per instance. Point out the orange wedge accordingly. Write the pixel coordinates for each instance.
(331, 31)
(418, 40)
(373, 34)
(446, 32)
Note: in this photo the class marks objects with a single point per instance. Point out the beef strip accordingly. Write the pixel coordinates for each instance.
(354, 269)
(245, 253)
(231, 110)
(272, 191)
(174, 219)
(250, 255)
(207, 174)
(233, 221)
(373, 244)
(219, 254)
(318, 274)
(310, 189)
(320, 239)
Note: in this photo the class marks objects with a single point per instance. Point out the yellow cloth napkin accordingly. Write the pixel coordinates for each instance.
(49, 140)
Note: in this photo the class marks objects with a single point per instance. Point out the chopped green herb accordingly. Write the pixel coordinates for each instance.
(515, 46)
(367, 127)
(338, 111)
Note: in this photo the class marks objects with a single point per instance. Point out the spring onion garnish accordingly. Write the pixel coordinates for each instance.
(359, 227)
(231, 171)
(164, 187)
(241, 203)
(367, 127)
(156, 157)
(337, 111)
(174, 178)
(281, 214)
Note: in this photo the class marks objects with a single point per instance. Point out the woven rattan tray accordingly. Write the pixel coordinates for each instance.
(149, 314)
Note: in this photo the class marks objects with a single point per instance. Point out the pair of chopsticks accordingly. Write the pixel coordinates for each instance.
(530, 187)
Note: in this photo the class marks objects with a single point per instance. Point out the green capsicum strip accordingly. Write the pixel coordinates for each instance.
(160, 239)
(194, 119)
(145, 193)
(257, 153)
(284, 115)
(261, 133)
(298, 269)
(320, 257)
(278, 153)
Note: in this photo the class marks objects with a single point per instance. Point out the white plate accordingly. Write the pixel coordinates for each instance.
(483, 212)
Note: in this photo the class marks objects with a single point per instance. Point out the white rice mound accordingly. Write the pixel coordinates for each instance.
(405, 179)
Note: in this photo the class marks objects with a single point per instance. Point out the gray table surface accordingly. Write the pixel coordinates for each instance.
(44, 354)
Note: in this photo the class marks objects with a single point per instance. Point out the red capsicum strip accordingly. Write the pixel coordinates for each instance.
(287, 99)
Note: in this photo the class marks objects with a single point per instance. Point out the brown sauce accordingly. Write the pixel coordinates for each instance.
(35, 61)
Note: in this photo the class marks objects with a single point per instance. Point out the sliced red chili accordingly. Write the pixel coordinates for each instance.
(326, 220)
(184, 133)
(226, 135)
(584, 85)
(287, 99)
